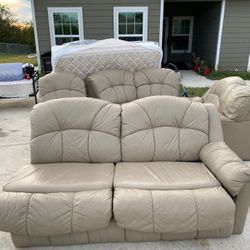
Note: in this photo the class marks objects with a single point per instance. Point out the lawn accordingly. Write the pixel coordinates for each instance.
(217, 75)
(17, 58)
(192, 92)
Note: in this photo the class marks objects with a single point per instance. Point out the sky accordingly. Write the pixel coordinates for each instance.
(21, 8)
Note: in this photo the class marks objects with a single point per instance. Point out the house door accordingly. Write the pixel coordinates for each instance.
(182, 34)
(177, 39)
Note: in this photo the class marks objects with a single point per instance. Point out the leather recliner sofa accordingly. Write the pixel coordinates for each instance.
(116, 86)
(231, 97)
(152, 169)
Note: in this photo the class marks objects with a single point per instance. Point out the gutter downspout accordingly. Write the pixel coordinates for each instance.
(161, 22)
(222, 15)
(35, 34)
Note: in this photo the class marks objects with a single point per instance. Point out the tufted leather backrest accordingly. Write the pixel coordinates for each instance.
(150, 82)
(75, 130)
(116, 86)
(231, 96)
(164, 128)
(59, 85)
(120, 86)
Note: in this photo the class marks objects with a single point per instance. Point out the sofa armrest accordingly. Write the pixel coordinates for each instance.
(228, 168)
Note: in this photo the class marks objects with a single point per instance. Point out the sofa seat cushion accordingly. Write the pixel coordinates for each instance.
(61, 177)
(163, 175)
(170, 197)
(57, 199)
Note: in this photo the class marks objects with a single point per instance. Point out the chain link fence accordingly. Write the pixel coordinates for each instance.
(16, 48)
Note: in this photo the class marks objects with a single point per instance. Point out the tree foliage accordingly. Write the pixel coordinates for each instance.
(13, 32)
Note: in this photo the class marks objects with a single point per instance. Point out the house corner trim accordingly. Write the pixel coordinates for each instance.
(161, 22)
(35, 33)
(218, 50)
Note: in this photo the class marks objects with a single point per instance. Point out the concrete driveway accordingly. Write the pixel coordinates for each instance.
(192, 79)
(14, 153)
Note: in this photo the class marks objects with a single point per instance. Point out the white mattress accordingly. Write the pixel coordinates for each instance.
(84, 60)
(21, 88)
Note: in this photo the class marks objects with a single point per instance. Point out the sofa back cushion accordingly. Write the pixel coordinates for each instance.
(116, 86)
(75, 130)
(165, 128)
(150, 82)
(231, 96)
(59, 85)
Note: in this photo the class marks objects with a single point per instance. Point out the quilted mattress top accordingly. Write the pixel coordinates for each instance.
(84, 60)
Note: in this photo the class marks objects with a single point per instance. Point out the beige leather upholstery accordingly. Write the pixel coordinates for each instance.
(61, 177)
(113, 233)
(231, 96)
(242, 203)
(226, 166)
(55, 199)
(159, 190)
(170, 197)
(59, 85)
(237, 136)
(150, 82)
(115, 86)
(162, 129)
(75, 130)
(119, 86)
(163, 175)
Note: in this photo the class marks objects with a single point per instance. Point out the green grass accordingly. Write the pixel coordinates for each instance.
(17, 58)
(192, 92)
(217, 75)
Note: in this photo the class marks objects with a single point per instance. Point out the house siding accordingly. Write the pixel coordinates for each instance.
(97, 18)
(235, 46)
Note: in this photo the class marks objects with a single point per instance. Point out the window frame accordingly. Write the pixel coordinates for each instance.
(190, 35)
(143, 9)
(52, 10)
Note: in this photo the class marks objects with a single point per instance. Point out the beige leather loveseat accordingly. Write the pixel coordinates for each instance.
(231, 97)
(152, 169)
(116, 86)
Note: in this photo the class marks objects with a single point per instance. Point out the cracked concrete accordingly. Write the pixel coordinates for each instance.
(14, 153)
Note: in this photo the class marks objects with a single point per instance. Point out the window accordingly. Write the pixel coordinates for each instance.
(182, 34)
(131, 23)
(66, 25)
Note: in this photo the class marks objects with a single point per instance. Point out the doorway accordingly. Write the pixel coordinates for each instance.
(190, 29)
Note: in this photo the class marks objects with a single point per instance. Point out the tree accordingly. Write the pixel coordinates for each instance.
(6, 17)
(13, 32)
